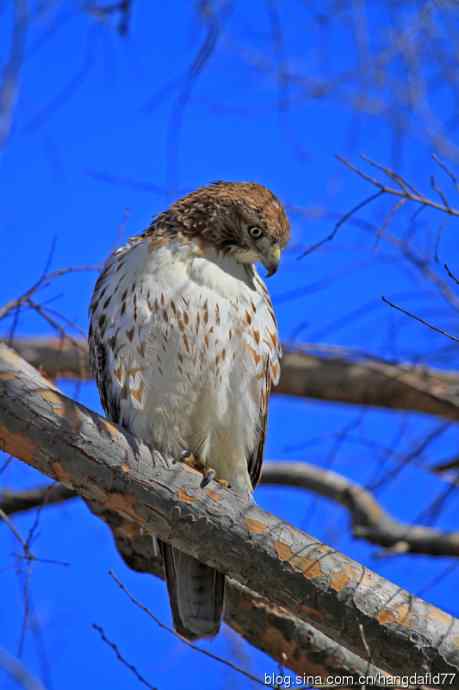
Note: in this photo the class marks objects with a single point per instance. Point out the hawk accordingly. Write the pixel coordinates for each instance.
(184, 345)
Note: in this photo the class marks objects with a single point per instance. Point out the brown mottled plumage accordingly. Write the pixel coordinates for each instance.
(183, 341)
(218, 212)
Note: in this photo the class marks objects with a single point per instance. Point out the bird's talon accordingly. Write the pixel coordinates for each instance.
(188, 458)
(209, 475)
(224, 483)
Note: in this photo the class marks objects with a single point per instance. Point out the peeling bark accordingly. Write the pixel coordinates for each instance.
(344, 600)
(292, 642)
(304, 374)
(368, 519)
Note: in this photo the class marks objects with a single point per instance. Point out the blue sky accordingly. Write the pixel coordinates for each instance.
(98, 147)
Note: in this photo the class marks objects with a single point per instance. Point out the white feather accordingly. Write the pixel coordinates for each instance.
(192, 347)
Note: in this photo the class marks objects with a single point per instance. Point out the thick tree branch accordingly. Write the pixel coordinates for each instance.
(289, 640)
(334, 379)
(277, 632)
(369, 520)
(19, 501)
(370, 382)
(107, 466)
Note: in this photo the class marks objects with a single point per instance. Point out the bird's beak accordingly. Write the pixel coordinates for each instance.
(271, 259)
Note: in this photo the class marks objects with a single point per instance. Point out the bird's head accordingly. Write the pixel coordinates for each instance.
(243, 219)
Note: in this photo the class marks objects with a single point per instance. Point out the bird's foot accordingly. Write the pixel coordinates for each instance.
(208, 476)
(208, 473)
(190, 459)
(224, 483)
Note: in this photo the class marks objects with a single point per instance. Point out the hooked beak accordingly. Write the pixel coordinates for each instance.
(271, 259)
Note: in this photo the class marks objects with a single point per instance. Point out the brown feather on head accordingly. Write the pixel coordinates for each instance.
(244, 219)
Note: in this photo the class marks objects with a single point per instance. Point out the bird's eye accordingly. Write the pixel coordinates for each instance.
(255, 232)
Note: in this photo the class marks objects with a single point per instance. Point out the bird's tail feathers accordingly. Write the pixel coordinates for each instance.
(196, 593)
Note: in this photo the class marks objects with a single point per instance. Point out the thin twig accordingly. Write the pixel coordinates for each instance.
(122, 8)
(392, 175)
(43, 282)
(163, 626)
(9, 85)
(212, 21)
(451, 274)
(405, 191)
(418, 318)
(26, 548)
(18, 672)
(342, 220)
(121, 658)
(439, 191)
(447, 170)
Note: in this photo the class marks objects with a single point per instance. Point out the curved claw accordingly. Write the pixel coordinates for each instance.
(185, 455)
(209, 475)
(189, 458)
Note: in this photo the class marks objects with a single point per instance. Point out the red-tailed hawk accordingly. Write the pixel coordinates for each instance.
(185, 349)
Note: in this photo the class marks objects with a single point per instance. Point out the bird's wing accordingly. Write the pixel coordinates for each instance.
(270, 351)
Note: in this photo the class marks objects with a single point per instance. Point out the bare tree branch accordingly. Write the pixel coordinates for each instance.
(18, 672)
(9, 83)
(371, 382)
(188, 643)
(121, 658)
(369, 520)
(331, 236)
(112, 469)
(403, 189)
(43, 282)
(441, 331)
(291, 641)
(275, 631)
(12, 502)
(122, 8)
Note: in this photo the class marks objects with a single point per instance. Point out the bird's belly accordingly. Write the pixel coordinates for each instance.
(200, 391)
(187, 349)
(196, 402)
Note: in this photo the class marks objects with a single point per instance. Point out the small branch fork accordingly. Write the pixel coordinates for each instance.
(59, 323)
(403, 188)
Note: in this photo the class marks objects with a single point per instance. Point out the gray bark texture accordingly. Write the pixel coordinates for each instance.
(368, 519)
(341, 598)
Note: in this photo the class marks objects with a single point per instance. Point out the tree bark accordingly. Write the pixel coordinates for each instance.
(368, 519)
(291, 642)
(344, 600)
(294, 643)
